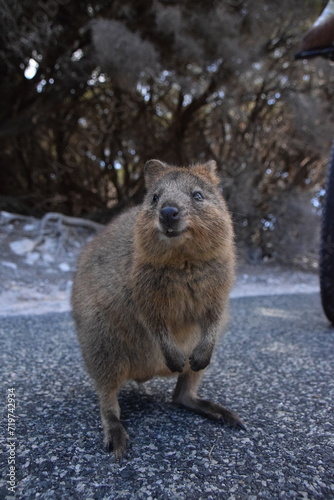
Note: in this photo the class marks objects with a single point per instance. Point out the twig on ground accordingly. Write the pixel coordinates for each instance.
(69, 221)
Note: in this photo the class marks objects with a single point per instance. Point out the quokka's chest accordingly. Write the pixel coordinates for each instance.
(182, 294)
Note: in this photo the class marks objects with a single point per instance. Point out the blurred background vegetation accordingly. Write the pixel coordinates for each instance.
(92, 90)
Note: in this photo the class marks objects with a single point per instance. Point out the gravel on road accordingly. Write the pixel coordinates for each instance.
(274, 366)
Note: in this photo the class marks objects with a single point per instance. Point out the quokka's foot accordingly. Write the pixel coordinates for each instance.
(116, 441)
(213, 411)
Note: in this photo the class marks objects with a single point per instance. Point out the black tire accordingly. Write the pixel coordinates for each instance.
(327, 247)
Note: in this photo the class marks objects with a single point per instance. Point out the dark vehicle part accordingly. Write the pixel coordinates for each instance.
(319, 41)
(326, 263)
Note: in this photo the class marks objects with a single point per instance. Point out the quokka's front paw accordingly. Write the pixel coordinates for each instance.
(200, 358)
(175, 360)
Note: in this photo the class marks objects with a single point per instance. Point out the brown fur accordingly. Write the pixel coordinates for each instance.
(150, 293)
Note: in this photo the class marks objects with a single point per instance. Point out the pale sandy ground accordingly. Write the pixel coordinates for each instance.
(37, 261)
(255, 280)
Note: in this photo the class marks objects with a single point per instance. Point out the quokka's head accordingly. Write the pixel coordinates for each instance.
(183, 207)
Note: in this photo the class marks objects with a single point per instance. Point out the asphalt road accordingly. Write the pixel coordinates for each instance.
(275, 367)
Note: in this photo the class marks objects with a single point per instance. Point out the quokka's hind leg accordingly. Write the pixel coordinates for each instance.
(115, 436)
(185, 394)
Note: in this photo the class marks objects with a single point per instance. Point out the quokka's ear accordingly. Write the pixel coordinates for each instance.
(208, 170)
(153, 170)
(210, 166)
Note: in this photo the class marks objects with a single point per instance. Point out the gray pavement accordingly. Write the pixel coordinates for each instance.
(275, 367)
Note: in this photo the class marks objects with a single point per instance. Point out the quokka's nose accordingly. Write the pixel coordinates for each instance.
(169, 216)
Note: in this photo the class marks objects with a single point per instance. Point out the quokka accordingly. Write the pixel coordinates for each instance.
(150, 294)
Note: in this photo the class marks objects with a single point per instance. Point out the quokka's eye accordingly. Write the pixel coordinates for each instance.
(155, 198)
(197, 195)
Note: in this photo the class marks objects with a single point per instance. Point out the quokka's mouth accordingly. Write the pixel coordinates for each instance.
(172, 233)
